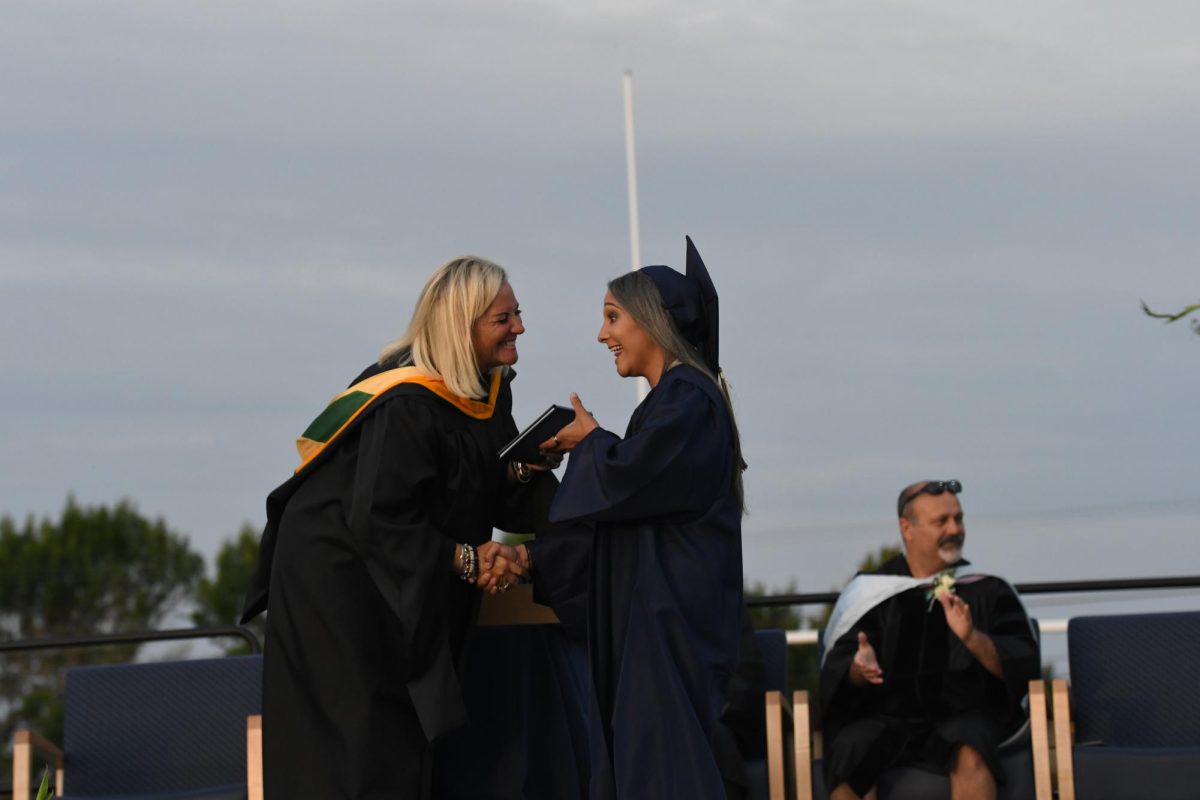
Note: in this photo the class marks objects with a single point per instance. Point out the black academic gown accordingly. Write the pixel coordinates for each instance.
(935, 695)
(664, 588)
(367, 623)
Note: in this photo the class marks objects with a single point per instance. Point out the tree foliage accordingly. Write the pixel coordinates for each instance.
(219, 599)
(94, 570)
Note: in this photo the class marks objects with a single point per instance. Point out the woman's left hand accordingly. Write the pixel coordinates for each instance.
(553, 461)
(565, 440)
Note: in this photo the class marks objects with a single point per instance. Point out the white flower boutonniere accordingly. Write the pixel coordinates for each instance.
(942, 584)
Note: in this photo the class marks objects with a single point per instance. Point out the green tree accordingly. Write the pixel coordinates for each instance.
(219, 600)
(94, 570)
(785, 617)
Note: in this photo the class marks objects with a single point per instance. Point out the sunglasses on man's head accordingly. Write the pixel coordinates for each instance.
(933, 487)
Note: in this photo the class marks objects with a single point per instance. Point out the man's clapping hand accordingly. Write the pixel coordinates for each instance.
(865, 667)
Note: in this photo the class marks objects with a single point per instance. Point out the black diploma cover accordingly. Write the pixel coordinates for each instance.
(524, 448)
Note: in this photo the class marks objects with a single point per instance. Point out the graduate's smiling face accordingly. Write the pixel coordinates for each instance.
(933, 533)
(634, 352)
(494, 335)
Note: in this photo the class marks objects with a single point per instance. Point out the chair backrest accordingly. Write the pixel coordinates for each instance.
(772, 645)
(160, 726)
(1133, 678)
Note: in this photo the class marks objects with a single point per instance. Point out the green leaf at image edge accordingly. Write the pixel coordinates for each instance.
(44, 790)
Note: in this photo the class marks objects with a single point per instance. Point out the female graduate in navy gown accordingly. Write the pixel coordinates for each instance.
(662, 563)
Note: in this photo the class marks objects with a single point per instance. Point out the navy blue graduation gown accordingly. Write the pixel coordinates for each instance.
(664, 588)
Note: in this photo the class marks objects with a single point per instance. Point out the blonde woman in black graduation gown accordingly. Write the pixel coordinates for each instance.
(372, 550)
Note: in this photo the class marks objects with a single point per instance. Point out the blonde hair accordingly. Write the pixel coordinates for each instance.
(438, 340)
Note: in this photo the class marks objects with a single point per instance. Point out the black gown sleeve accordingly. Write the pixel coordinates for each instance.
(1020, 655)
(841, 699)
(388, 515)
(525, 507)
(408, 557)
(561, 557)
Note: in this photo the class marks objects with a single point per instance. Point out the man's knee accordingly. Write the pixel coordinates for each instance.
(843, 791)
(968, 761)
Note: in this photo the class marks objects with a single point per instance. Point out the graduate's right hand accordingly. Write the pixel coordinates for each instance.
(499, 567)
(565, 440)
(865, 666)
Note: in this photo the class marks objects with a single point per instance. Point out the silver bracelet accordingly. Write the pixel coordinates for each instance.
(521, 470)
(470, 567)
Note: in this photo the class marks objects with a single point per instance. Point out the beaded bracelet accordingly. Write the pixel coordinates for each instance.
(470, 567)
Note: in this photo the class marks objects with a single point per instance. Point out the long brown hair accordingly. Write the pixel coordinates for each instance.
(638, 295)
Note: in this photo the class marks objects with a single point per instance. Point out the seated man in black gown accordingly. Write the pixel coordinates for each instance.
(928, 661)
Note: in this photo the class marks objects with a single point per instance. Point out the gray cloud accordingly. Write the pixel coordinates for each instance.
(930, 225)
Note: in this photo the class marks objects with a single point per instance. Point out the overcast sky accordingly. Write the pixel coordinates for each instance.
(930, 223)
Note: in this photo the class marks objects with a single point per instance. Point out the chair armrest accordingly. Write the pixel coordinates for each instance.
(25, 744)
(1063, 740)
(779, 717)
(802, 745)
(1039, 740)
(254, 757)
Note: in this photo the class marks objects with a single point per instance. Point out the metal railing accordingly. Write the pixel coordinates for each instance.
(809, 636)
(133, 637)
(764, 601)
(1046, 587)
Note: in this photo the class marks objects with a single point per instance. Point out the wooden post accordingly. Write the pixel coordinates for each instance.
(254, 757)
(25, 744)
(1063, 755)
(802, 743)
(776, 768)
(1039, 735)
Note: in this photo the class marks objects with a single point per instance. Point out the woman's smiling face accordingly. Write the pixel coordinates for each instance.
(494, 335)
(634, 352)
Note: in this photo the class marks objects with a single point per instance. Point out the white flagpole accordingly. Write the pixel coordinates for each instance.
(635, 245)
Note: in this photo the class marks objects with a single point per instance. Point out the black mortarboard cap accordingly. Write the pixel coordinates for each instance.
(691, 300)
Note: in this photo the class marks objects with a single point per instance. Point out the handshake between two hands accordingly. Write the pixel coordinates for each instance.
(501, 566)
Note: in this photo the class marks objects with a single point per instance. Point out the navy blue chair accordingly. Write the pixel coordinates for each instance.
(1135, 701)
(768, 779)
(773, 647)
(164, 730)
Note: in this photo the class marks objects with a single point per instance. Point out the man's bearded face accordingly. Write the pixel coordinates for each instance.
(935, 530)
